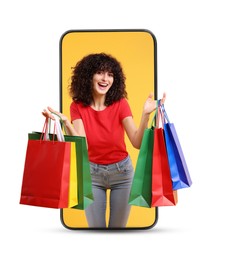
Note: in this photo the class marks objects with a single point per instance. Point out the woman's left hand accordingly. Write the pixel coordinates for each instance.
(150, 104)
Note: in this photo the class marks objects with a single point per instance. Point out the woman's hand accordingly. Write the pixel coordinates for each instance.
(49, 114)
(150, 104)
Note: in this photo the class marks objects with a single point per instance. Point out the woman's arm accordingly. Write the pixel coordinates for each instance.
(135, 134)
(78, 125)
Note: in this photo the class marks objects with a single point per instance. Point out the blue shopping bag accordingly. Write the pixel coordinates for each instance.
(177, 163)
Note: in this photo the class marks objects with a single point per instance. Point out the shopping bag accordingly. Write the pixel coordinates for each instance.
(85, 194)
(46, 174)
(162, 190)
(40, 185)
(178, 167)
(73, 196)
(140, 194)
(84, 185)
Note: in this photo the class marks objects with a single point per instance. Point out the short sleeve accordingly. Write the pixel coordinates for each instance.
(74, 111)
(125, 109)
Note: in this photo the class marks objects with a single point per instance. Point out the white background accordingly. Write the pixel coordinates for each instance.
(192, 62)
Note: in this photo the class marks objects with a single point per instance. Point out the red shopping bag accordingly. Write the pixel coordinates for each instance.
(162, 190)
(46, 174)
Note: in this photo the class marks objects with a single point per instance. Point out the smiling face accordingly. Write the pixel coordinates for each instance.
(102, 82)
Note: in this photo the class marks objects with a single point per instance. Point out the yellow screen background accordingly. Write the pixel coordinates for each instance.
(135, 50)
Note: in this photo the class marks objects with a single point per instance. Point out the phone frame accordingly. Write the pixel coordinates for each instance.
(61, 106)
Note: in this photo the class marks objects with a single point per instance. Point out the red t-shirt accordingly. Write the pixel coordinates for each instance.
(104, 130)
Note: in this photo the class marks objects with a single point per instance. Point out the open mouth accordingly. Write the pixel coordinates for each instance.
(103, 85)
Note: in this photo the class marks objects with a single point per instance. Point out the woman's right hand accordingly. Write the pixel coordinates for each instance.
(69, 129)
(150, 104)
(48, 114)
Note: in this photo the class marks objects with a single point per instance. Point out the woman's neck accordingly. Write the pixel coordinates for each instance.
(98, 103)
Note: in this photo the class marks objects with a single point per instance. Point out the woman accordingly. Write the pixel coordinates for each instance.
(101, 113)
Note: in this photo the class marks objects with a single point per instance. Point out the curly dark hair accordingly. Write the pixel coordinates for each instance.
(80, 88)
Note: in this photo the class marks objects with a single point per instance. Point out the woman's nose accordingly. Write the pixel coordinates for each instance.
(105, 76)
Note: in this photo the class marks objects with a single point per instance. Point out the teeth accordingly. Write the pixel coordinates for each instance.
(103, 85)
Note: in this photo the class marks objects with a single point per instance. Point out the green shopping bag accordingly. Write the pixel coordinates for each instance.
(140, 194)
(85, 195)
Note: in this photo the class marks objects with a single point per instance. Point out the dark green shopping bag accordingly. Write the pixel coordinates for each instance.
(85, 195)
(140, 194)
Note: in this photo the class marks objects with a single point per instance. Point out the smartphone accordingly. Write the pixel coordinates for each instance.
(137, 52)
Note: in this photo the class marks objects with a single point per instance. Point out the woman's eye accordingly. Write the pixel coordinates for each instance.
(110, 74)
